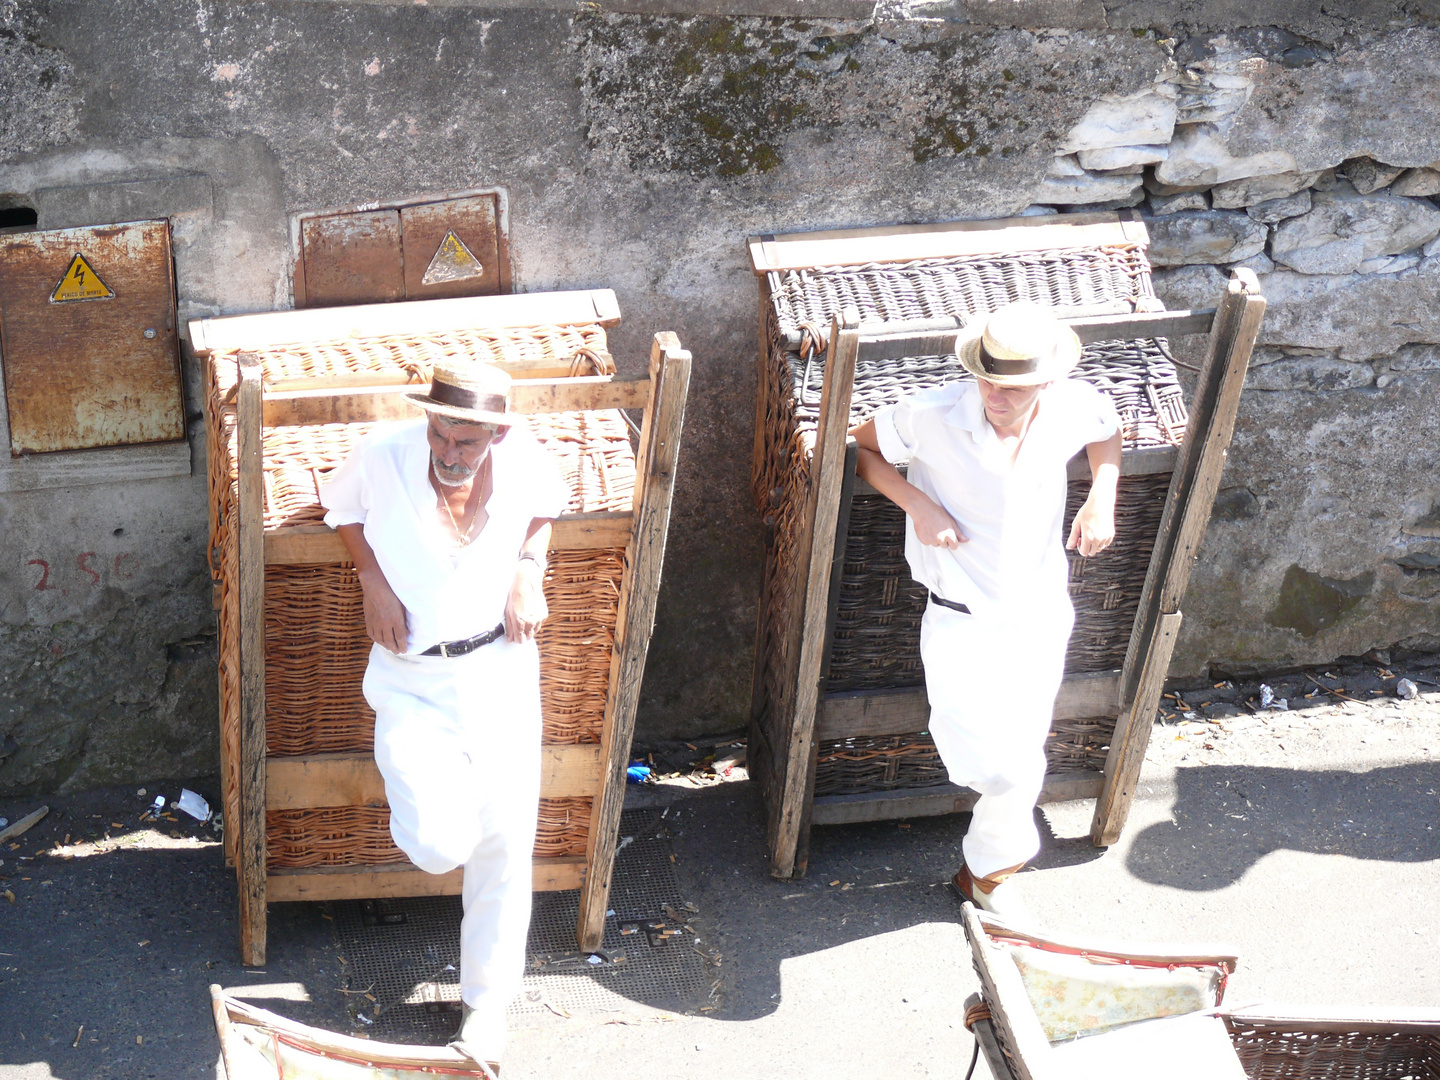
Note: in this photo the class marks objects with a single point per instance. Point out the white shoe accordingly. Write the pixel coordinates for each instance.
(470, 1035)
(997, 897)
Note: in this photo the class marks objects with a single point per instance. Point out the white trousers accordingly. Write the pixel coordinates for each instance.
(992, 686)
(458, 743)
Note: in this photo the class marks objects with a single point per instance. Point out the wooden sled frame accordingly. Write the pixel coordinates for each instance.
(1130, 695)
(323, 780)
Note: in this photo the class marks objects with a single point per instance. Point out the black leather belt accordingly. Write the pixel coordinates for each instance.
(448, 649)
(950, 604)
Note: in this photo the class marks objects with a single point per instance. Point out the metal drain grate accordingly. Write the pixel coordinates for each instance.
(406, 952)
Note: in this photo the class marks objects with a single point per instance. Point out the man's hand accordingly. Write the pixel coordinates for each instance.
(384, 613)
(933, 524)
(1094, 527)
(526, 609)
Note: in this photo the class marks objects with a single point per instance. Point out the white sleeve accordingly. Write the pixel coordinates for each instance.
(1092, 414)
(346, 491)
(895, 430)
(550, 495)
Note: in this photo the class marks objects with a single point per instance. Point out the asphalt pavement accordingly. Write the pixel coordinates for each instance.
(1305, 839)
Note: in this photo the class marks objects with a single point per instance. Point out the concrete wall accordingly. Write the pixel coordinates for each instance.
(639, 150)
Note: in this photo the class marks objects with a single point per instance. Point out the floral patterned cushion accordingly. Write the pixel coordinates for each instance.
(1073, 996)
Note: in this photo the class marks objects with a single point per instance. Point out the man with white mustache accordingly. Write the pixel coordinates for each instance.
(447, 520)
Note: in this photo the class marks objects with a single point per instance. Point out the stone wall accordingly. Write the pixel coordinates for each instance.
(639, 150)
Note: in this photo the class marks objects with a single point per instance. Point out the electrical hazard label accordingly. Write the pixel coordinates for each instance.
(80, 283)
(452, 261)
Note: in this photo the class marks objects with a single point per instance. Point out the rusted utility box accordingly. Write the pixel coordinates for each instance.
(87, 337)
(424, 249)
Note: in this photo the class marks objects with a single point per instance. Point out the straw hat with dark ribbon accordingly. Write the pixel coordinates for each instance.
(1021, 344)
(475, 392)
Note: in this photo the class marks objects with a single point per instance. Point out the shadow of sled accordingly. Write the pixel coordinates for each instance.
(259, 1045)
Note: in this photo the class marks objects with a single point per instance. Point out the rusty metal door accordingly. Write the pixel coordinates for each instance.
(418, 250)
(87, 338)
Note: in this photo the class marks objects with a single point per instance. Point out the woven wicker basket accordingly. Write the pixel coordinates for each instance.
(316, 648)
(875, 643)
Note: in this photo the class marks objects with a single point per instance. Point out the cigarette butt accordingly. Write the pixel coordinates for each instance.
(139, 1040)
(76, 1043)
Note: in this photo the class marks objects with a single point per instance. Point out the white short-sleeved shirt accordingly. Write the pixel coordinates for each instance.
(1012, 515)
(449, 592)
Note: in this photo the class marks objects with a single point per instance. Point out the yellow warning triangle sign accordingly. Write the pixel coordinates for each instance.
(452, 261)
(80, 283)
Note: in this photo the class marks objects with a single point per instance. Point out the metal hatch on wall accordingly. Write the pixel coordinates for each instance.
(87, 338)
(423, 248)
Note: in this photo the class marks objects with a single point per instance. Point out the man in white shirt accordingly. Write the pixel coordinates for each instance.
(984, 503)
(447, 520)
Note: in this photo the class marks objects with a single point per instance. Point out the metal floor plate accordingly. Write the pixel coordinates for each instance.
(405, 953)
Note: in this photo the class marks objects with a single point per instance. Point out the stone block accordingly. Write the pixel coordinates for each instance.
(1085, 189)
(1160, 205)
(1146, 118)
(1417, 182)
(1199, 155)
(1389, 264)
(1310, 373)
(1240, 194)
(1355, 316)
(1121, 157)
(1273, 210)
(1344, 228)
(1367, 175)
(1260, 263)
(1204, 236)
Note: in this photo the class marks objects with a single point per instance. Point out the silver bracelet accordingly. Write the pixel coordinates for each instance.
(538, 560)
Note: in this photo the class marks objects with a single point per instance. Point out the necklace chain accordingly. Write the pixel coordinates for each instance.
(463, 536)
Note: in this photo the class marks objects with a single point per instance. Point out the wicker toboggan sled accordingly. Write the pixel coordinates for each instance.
(851, 321)
(288, 395)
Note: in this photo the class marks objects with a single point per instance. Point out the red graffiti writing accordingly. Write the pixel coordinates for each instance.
(123, 575)
(81, 560)
(44, 574)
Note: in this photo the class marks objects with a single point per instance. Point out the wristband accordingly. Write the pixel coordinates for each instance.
(538, 560)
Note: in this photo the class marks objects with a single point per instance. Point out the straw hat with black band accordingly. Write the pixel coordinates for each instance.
(475, 392)
(1020, 344)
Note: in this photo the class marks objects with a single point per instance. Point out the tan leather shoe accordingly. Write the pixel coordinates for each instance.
(993, 892)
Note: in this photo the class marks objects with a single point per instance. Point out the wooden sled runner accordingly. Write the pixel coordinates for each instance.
(258, 1045)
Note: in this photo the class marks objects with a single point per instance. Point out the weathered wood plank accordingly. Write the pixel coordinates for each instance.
(1010, 1009)
(936, 800)
(645, 558)
(853, 714)
(1142, 324)
(902, 243)
(1196, 479)
(345, 405)
(250, 849)
(1132, 737)
(310, 544)
(817, 549)
(1141, 461)
(269, 329)
(297, 783)
(402, 879)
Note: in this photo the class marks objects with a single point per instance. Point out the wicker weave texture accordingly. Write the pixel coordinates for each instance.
(1273, 1053)
(360, 835)
(900, 762)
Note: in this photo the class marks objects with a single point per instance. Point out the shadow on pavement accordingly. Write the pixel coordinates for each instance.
(1226, 817)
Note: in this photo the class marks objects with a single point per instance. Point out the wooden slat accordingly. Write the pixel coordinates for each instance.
(940, 799)
(902, 243)
(1142, 324)
(295, 783)
(854, 714)
(250, 850)
(816, 550)
(344, 405)
(319, 544)
(1010, 1009)
(270, 329)
(1196, 480)
(402, 879)
(1381, 1020)
(645, 558)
